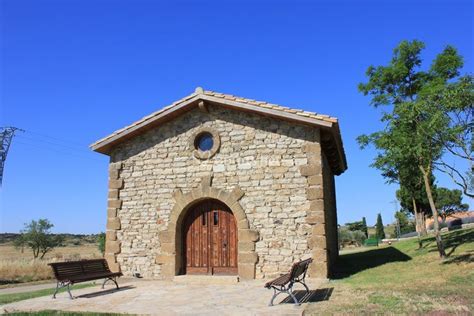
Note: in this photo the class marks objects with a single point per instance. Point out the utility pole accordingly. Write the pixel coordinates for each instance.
(6, 136)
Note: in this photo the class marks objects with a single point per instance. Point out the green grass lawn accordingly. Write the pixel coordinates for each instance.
(403, 279)
(14, 297)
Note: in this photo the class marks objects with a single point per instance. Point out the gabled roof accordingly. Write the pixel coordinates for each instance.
(330, 139)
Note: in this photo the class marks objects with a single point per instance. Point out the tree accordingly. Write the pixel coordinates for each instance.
(418, 128)
(359, 225)
(449, 202)
(406, 226)
(37, 236)
(364, 227)
(101, 242)
(379, 231)
(413, 200)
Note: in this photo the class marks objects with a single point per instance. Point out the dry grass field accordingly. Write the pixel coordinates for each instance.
(19, 267)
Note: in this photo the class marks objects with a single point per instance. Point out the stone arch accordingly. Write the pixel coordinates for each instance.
(171, 257)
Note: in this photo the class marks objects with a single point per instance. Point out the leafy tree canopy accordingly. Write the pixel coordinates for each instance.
(359, 225)
(37, 236)
(449, 201)
(406, 225)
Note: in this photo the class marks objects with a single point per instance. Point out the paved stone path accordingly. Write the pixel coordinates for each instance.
(168, 298)
(27, 288)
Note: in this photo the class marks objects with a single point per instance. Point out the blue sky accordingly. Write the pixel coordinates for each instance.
(75, 71)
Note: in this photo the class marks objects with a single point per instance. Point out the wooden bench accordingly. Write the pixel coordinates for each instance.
(71, 272)
(284, 283)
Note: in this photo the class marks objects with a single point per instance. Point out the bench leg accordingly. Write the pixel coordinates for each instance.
(276, 292)
(60, 285)
(305, 286)
(69, 290)
(111, 279)
(57, 289)
(290, 291)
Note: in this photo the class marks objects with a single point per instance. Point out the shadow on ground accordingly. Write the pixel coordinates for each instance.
(451, 243)
(105, 292)
(352, 263)
(312, 296)
(464, 258)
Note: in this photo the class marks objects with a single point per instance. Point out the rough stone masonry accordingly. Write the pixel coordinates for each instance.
(276, 175)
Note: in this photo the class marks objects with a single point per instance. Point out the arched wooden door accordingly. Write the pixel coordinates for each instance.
(210, 243)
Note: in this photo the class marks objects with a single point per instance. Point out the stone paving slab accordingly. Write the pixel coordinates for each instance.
(168, 298)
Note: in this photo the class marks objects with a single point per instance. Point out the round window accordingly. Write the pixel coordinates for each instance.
(204, 142)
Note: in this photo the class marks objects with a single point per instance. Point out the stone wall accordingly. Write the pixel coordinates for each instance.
(329, 186)
(276, 164)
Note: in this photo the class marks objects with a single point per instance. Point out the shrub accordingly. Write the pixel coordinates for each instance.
(359, 237)
(347, 237)
(101, 243)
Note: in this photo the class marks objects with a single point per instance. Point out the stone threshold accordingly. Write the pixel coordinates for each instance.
(206, 279)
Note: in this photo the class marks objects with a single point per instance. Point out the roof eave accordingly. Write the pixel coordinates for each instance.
(106, 144)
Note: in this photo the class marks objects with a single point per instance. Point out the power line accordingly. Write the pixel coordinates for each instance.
(48, 142)
(58, 150)
(6, 136)
(53, 137)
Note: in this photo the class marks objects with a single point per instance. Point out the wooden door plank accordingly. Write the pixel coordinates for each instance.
(211, 239)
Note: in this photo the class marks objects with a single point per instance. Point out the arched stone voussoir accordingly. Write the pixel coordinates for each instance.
(171, 237)
(214, 193)
(243, 224)
(238, 211)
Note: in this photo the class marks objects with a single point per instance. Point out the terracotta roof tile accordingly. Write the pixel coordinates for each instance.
(267, 105)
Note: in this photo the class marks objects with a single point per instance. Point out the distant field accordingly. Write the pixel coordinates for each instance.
(389, 231)
(18, 267)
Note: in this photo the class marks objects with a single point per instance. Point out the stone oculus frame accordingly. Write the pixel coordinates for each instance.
(171, 257)
(215, 145)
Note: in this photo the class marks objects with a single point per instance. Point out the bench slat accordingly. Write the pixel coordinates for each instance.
(296, 271)
(84, 270)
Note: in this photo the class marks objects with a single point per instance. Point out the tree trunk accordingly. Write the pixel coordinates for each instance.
(417, 224)
(439, 241)
(423, 221)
